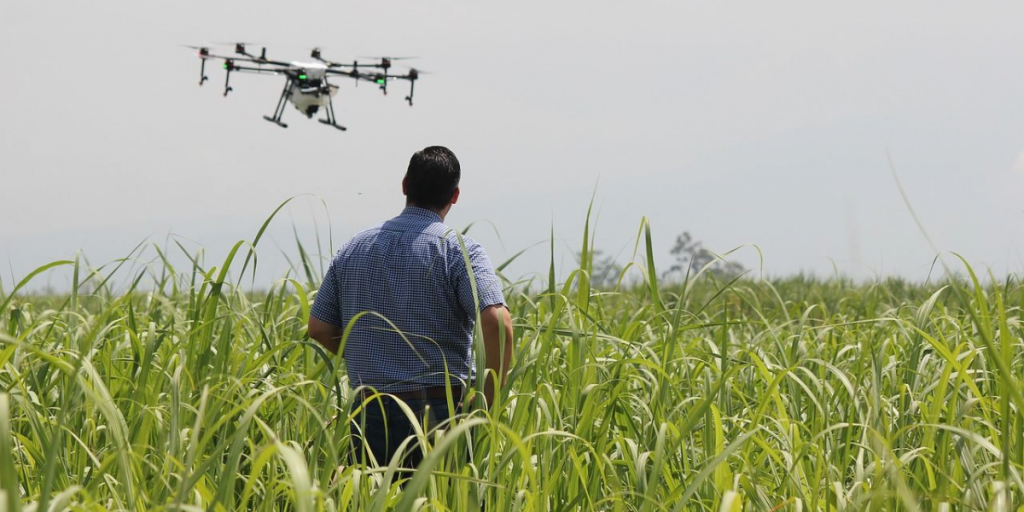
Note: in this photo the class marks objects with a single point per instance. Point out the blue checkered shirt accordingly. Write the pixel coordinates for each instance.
(411, 271)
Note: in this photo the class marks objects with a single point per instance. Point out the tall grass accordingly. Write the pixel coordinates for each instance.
(194, 393)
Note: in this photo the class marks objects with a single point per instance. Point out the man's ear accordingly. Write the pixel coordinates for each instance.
(455, 195)
(405, 186)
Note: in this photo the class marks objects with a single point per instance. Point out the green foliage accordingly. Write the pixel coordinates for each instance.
(789, 394)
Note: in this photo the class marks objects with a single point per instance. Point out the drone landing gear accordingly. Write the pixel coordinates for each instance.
(275, 121)
(331, 120)
(412, 88)
(281, 103)
(332, 123)
(202, 72)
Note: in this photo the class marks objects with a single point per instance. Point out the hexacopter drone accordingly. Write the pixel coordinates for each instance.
(306, 84)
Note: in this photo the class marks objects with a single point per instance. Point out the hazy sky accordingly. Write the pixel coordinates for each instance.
(760, 123)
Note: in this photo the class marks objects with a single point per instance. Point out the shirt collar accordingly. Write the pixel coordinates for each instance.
(416, 211)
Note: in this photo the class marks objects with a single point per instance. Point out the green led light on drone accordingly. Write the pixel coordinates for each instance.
(302, 77)
(225, 65)
(380, 81)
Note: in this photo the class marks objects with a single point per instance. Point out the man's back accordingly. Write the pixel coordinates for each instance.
(411, 271)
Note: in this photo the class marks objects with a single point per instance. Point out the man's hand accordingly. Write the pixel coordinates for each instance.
(328, 335)
(496, 324)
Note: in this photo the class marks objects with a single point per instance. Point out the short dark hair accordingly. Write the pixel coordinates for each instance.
(432, 177)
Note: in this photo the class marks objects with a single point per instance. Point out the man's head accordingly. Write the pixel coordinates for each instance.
(432, 180)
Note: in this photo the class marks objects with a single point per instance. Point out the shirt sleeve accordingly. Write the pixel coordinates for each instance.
(488, 286)
(325, 304)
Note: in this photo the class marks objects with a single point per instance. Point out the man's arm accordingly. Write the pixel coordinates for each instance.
(325, 315)
(496, 325)
(328, 335)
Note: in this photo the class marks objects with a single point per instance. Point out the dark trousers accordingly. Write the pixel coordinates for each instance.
(382, 426)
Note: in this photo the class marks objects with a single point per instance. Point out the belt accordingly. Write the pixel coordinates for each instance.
(434, 392)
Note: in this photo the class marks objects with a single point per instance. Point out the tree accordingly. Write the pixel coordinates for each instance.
(605, 272)
(691, 256)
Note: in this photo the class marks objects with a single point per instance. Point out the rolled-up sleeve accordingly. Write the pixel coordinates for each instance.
(488, 285)
(325, 304)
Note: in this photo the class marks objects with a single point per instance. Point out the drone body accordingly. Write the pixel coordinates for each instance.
(310, 90)
(307, 85)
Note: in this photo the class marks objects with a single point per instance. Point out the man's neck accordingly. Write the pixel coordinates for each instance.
(443, 212)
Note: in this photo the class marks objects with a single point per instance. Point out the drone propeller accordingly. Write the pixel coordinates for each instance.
(388, 58)
(240, 48)
(204, 51)
(385, 62)
(235, 43)
(317, 54)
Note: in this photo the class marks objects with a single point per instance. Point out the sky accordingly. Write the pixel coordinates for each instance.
(774, 127)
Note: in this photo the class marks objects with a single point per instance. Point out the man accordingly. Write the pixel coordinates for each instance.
(410, 275)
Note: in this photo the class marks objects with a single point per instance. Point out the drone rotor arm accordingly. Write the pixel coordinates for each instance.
(257, 71)
(343, 65)
(247, 59)
(355, 75)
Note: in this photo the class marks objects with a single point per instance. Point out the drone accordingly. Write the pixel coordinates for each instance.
(306, 84)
